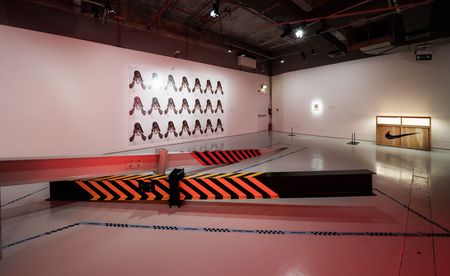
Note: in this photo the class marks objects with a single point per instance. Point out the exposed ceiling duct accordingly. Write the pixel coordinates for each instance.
(344, 29)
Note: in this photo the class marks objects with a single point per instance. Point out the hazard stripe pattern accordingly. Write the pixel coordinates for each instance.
(218, 157)
(192, 187)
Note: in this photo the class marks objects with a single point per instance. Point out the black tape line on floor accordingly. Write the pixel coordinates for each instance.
(269, 160)
(412, 210)
(232, 230)
(41, 235)
(23, 197)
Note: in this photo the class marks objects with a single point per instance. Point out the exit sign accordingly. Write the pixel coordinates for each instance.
(424, 57)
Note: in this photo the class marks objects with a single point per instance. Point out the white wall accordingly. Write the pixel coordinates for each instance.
(353, 93)
(63, 96)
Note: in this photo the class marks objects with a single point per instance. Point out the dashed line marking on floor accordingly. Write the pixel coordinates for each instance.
(233, 230)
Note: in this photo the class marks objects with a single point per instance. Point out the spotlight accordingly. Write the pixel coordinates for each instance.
(109, 8)
(282, 60)
(263, 89)
(313, 53)
(215, 10)
(299, 33)
(230, 49)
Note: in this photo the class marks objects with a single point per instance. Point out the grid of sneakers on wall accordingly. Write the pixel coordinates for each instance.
(184, 119)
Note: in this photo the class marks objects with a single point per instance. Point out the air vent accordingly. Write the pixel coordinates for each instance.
(247, 62)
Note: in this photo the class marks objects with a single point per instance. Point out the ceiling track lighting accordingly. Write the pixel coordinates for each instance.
(263, 89)
(108, 7)
(215, 10)
(288, 31)
(299, 33)
(282, 60)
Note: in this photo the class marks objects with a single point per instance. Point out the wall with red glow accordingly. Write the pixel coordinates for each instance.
(62, 96)
(351, 94)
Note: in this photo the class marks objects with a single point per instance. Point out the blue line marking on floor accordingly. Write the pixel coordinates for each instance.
(232, 230)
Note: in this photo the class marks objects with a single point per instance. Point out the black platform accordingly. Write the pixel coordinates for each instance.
(320, 183)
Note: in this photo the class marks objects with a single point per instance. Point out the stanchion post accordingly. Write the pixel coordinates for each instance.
(353, 139)
(292, 132)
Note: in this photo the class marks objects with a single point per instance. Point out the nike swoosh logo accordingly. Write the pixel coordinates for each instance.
(389, 136)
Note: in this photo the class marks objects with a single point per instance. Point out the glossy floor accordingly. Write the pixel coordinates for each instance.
(310, 236)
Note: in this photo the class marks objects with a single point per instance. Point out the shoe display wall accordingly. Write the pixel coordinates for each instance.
(159, 111)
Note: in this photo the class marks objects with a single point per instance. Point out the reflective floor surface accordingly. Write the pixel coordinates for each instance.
(402, 230)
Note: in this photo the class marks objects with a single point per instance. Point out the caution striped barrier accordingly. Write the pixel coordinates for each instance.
(211, 186)
(156, 187)
(217, 157)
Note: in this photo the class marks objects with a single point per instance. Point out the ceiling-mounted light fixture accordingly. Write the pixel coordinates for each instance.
(230, 49)
(263, 89)
(281, 60)
(299, 33)
(108, 7)
(215, 10)
(313, 53)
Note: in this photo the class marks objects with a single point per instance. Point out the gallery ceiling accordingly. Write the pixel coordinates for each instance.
(268, 30)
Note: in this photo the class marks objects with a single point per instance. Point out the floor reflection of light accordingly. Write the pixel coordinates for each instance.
(292, 268)
(387, 171)
(317, 163)
(393, 172)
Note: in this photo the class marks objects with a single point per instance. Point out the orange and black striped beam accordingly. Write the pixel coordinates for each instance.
(218, 157)
(247, 185)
